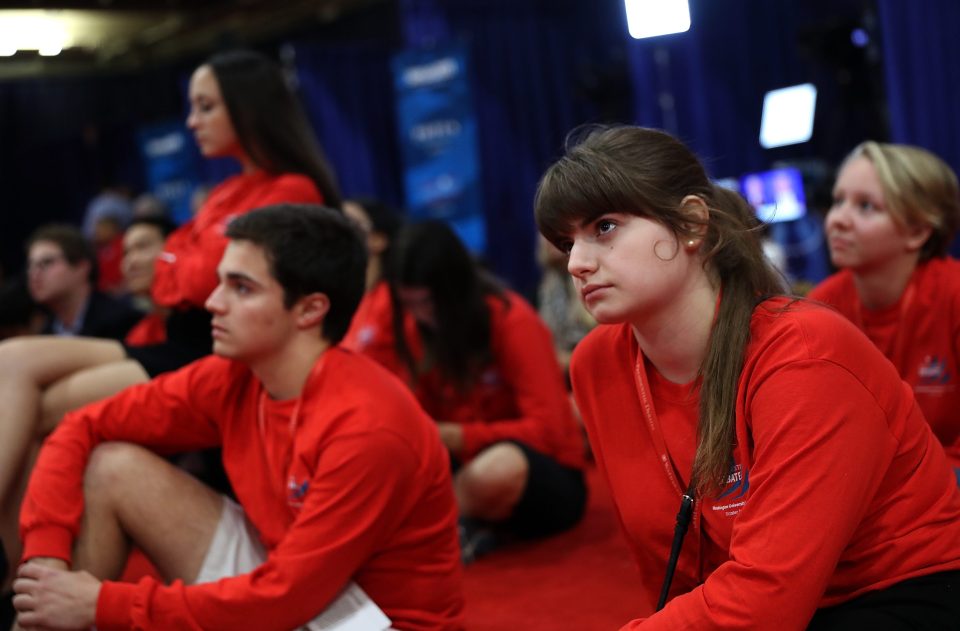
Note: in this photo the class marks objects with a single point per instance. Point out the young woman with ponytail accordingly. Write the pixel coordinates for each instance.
(821, 499)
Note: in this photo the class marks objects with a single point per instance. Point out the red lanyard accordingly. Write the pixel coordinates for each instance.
(640, 377)
(292, 426)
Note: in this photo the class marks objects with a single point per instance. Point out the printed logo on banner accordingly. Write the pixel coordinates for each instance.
(170, 160)
(438, 140)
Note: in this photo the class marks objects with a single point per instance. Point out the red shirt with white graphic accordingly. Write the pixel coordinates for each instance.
(837, 487)
(359, 489)
(920, 334)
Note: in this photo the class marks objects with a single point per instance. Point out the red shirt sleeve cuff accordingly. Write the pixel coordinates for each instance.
(48, 541)
(114, 606)
(473, 439)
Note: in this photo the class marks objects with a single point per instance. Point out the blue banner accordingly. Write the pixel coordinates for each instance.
(170, 159)
(438, 141)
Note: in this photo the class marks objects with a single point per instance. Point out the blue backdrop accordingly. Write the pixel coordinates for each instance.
(538, 68)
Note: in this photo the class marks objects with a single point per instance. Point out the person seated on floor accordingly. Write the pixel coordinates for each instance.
(240, 108)
(563, 313)
(108, 248)
(481, 363)
(149, 205)
(142, 244)
(113, 200)
(819, 497)
(371, 331)
(62, 274)
(558, 303)
(340, 474)
(895, 212)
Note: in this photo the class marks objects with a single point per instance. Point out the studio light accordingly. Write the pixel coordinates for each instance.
(650, 18)
(787, 117)
(42, 31)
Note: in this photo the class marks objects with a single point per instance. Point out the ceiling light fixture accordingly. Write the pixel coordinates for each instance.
(650, 18)
(42, 31)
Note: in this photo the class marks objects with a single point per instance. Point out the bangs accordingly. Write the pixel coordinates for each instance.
(578, 189)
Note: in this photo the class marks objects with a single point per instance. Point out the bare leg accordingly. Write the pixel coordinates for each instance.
(492, 483)
(134, 496)
(27, 366)
(86, 386)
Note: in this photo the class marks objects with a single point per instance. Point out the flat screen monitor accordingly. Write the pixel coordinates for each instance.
(775, 195)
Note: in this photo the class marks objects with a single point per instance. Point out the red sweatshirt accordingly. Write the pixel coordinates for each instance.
(366, 495)
(151, 329)
(838, 486)
(371, 330)
(520, 396)
(185, 272)
(920, 334)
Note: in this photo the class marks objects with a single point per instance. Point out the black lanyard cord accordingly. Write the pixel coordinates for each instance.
(679, 532)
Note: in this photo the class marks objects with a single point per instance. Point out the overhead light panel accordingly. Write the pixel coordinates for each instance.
(650, 18)
(787, 117)
(43, 31)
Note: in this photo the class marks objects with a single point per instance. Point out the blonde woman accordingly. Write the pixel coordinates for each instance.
(895, 211)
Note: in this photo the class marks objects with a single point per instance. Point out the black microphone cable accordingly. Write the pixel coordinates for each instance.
(679, 532)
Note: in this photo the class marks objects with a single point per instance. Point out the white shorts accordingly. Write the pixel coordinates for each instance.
(236, 549)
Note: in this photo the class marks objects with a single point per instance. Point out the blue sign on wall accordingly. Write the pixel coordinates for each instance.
(438, 141)
(170, 159)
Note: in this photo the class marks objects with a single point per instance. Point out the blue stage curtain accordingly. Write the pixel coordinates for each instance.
(706, 86)
(347, 90)
(524, 57)
(61, 138)
(922, 71)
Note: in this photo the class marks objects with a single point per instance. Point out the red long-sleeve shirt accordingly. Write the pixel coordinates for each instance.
(520, 396)
(186, 270)
(920, 334)
(838, 485)
(371, 329)
(151, 329)
(366, 495)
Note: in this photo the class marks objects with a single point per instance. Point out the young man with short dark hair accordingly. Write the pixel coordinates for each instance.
(339, 474)
(61, 276)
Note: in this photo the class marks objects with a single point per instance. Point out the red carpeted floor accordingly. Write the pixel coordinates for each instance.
(582, 580)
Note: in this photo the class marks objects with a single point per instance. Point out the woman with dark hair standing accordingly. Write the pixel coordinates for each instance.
(481, 363)
(240, 107)
(815, 493)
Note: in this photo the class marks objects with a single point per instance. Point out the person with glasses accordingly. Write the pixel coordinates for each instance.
(61, 277)
(340, 476)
